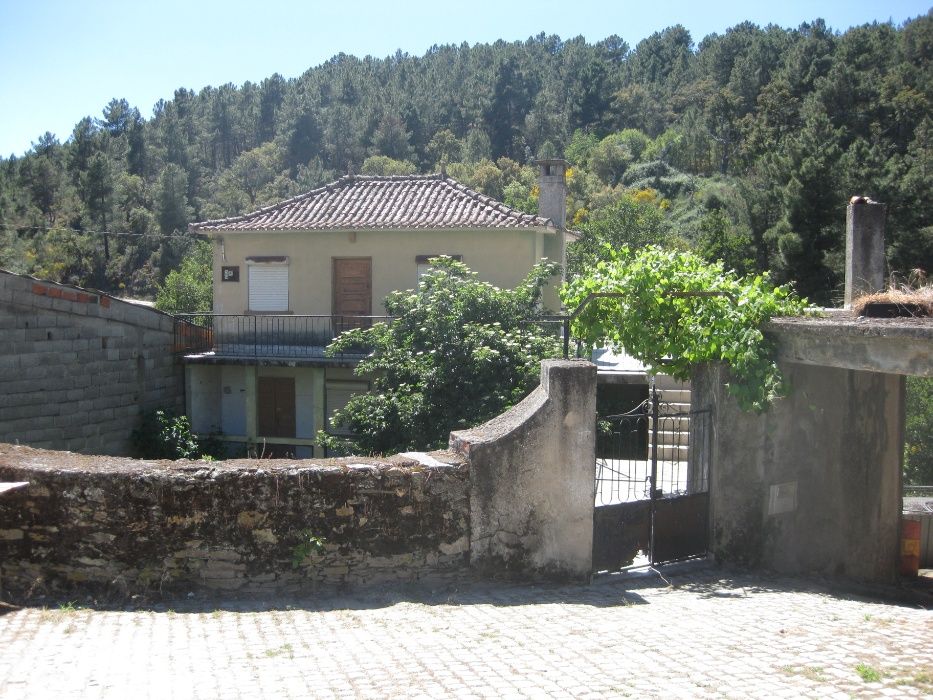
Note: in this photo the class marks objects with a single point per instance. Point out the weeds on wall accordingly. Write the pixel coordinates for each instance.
(308, 544)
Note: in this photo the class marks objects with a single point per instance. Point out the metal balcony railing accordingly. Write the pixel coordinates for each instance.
(266, 335)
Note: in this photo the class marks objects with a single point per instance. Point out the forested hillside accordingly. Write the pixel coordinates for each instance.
(745, 146)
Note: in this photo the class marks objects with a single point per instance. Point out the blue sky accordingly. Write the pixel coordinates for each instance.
(65, 59)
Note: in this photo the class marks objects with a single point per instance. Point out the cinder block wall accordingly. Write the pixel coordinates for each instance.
(124, 526)
(78, 367)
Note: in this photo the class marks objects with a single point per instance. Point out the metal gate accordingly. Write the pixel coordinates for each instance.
(652, 486)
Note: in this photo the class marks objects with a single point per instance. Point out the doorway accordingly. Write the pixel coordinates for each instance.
(276, 408)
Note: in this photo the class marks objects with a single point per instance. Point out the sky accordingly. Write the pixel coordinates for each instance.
(63, 60)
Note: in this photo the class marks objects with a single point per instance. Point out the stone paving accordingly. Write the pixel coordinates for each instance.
(712, 633)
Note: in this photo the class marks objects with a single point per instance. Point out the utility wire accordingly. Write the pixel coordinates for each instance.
(46, 229)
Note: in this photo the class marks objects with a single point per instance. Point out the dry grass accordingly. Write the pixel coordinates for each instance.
(913, 298)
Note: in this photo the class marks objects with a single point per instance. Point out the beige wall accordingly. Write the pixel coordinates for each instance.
(502, 257)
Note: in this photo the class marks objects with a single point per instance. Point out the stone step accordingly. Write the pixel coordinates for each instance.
(674, 395)
(672, 453)
(663, 381)
(673, 437)
(679, 424)
(667, 409)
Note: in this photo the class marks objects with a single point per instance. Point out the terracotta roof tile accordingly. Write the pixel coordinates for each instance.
(357, 202)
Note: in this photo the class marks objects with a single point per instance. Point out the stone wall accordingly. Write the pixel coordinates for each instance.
(78, 367)
(532, 479)
(813, 484)
(130, 527)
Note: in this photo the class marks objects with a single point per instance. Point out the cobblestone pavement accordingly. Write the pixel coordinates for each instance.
(713, 633)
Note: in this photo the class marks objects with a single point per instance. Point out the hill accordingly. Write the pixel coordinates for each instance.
(745, 146)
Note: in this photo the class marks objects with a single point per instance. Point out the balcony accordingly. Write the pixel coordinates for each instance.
(212, 337)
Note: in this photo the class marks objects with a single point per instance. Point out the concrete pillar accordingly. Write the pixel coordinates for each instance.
(252, 416)
(320, 392)
(552, 190)
(864, 248)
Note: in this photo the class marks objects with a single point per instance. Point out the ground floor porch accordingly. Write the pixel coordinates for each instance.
(268, 409)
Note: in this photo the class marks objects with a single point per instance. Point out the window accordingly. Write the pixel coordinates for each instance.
(268, 283)
(421, 261)
(338, 394)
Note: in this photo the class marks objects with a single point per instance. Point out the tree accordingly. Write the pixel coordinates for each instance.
(445, 147)
(172, 199)
(612, 156)
(458, 352)
(391, 138)
(918, 435)
(241, 186)
(720, 239)
(118, 116)
(811, 228)
(676, 311)
(383, 165)
(98, 189)
(630, 221)
(511, 101)
(190, 288)
(42, 175)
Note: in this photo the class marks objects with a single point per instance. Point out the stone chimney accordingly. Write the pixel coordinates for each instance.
(864, 248)
(552, 204)
(552, 183)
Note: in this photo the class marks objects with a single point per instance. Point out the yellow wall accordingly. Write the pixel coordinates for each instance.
(502, 257)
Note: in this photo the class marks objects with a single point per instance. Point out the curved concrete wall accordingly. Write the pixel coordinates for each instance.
(532, 476)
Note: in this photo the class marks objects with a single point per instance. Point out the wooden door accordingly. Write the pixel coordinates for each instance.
(276, 406)
(353, 292)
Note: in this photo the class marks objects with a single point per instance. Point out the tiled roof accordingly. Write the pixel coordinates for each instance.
(398, 202)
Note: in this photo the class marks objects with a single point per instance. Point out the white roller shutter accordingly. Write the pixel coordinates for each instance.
(268, 287)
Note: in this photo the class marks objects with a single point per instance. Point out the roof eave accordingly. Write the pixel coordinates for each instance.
(211, 232)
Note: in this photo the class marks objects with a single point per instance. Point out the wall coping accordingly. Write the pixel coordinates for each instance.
(845, 341)
(515, 417)
(40, 460)
(103, 299)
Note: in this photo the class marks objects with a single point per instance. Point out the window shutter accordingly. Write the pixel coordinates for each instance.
(268, 288)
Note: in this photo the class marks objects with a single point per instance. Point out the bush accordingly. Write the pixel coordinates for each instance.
(458, 352)
(163, 435)
(918, 440)
(189, 289)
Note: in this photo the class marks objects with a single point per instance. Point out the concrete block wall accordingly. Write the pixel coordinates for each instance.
(78, 367)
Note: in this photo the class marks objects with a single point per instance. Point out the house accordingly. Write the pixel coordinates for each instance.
(291, 276)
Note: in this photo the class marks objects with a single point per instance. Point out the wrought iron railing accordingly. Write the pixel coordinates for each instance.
(266, 335)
